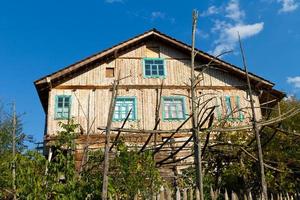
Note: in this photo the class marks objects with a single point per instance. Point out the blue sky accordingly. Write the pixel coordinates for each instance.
(39, 37)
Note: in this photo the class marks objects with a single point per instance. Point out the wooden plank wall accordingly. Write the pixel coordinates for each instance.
(90, 104)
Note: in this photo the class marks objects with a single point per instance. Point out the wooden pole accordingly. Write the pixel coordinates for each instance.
(119, 132)
(195, 130)
(85, 148)
(107, 139)
(14, 151)
(255, 129)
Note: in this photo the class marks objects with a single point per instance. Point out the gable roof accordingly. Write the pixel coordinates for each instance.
(56, 78)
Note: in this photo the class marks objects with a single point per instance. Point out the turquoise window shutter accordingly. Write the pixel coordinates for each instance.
(241, 114)
(218, 108)
(228, 108)
(237, 115)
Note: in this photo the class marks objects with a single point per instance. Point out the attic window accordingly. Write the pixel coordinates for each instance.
(154, 68)
(109, 72)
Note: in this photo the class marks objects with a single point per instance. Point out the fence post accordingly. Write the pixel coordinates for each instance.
(234, 196)
(191, 194)
(197, 194)
(184, 195)
(214, 194)
(226, 195)
(161, 193)
(250, 196)
(168, 194)
(177, 194)
(153, 197)
(158, 195)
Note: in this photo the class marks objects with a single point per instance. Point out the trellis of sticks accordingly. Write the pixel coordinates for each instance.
(202, 117)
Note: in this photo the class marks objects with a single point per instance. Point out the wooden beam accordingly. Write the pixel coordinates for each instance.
(119, 132)
(107, 139)
(140, 58)
(264, 191)
(195, 129)
(183, 87)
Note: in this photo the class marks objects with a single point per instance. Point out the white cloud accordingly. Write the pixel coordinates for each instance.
(290, 97)
(295, 81)
(212, 10)
(288, 5)
(229, 36)
(202, 34)
(227, 30)
(155, 15)
(234, 12)
(245, 31)
(114, 1)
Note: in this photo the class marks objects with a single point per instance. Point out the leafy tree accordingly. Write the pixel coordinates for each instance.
(228, 166)
(6, 158)
(61, 176)
(282, 150)
(30, 179)
(134, 172)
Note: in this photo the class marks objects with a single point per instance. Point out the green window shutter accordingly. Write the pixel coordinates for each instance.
(218, 108)
(56, 110)
(228, 108)
(67, 107)
(241, 115)
(154, 68)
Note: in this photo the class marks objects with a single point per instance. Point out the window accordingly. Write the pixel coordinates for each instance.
(173, 108)
(122, 108)
(229, 108)
(154, 68)
(109, 72)
(62, 106)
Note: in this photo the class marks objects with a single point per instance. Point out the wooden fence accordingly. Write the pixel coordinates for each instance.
(192, 194)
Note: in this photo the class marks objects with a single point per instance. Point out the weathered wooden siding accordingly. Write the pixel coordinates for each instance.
(90, 106)
(177, 69)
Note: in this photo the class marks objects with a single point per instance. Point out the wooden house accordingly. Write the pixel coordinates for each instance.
(82, 91)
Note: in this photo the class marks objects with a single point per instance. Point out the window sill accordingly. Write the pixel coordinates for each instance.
(59, 118)
(122, 120)
(173, 120)
(162, 77)
(232, 120)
